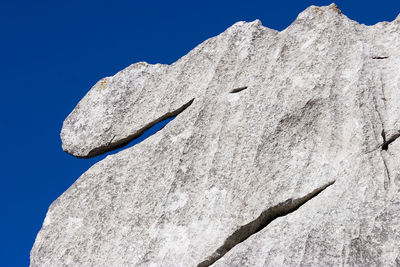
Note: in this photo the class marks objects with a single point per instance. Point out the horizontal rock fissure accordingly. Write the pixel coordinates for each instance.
(380, 57)
(265, 218)
(237, 90)
(125, 141)
(387, 142)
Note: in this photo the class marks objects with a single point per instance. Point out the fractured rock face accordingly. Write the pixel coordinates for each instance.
(284, 152)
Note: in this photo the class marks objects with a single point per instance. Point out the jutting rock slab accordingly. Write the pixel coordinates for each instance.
(284, 152)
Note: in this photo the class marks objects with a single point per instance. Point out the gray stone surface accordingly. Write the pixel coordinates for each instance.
(301, 168)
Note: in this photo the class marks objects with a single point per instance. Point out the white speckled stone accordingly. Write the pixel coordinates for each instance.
(318, 96)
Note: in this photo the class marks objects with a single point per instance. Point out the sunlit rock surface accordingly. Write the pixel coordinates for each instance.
(299, 167)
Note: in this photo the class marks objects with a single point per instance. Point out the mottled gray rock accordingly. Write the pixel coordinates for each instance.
(299, 167)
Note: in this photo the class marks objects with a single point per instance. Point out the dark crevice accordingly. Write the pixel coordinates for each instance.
(380, 57)
(385, 146)
(265, 218)
(387, 172)
(125, 141)
(387, 142)
(236, 90)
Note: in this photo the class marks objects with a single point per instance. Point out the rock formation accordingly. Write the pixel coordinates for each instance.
(284, 152)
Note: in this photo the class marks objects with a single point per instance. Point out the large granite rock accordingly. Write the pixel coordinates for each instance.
(283, 153)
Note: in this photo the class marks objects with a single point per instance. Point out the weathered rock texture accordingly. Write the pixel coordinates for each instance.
(283, 153)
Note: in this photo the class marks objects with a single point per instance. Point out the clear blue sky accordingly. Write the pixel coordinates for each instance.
(52, 52)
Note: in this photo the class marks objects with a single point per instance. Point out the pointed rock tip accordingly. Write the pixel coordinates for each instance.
(318, 14)
(256, 22)
(397, 19)
(319, 11)
(140, 64)
(244, 25)
(335, 8)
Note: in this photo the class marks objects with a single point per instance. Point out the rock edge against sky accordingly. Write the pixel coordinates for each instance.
(283, 152)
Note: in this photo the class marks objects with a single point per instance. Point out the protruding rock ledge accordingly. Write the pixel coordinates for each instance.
(113, 145)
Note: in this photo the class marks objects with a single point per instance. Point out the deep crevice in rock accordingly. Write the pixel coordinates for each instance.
(265, 218)
(380, 57)
(237, 90)
(387, 142)
(125, 141)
